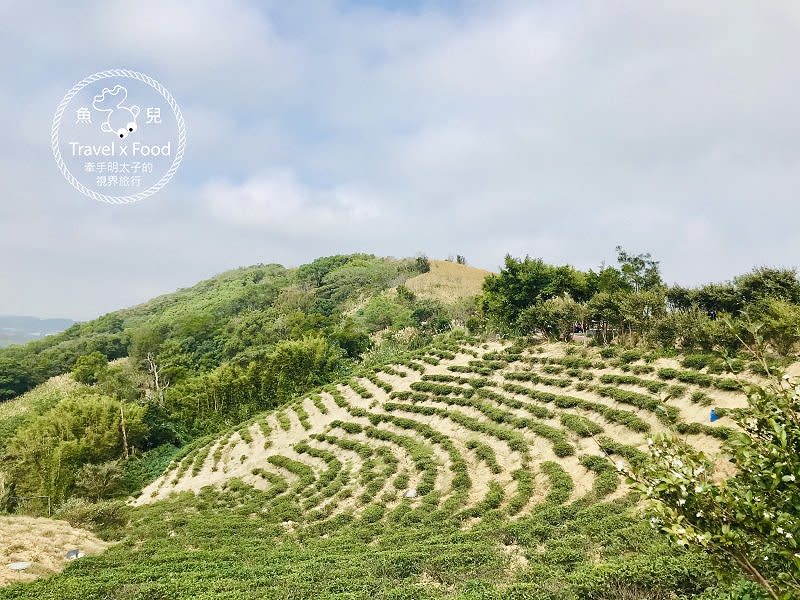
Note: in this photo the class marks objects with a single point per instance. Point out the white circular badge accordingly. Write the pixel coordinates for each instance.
(118, 136)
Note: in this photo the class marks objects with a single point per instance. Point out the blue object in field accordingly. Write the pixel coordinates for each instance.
(713, 416)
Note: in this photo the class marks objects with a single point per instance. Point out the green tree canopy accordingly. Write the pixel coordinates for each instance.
(90, 368)
(44, 456)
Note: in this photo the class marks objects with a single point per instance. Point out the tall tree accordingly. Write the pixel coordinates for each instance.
(640, 271)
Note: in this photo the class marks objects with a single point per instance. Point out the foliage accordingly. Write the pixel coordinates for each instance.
(233, 543)
(779, 323)
(555, 317)
(141, 469)
(640, 272)
(106, 517)
(422, 263)
(45, 455)
(195, 330)
(266, 337)
(526, 283)
(632, 304)
(98, 481)
(749, 521)
(90, 368)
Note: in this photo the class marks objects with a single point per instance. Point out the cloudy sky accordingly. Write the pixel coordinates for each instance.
(556, 129)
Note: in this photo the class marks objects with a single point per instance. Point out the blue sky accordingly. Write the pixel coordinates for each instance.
(556, 129)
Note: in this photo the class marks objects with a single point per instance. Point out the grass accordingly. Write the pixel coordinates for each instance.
(447, 282)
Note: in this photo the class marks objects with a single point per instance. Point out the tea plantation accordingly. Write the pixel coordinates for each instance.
(467, 470)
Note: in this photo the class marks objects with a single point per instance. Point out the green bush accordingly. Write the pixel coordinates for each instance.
(90, 368)
(105, 517)
(580, 425)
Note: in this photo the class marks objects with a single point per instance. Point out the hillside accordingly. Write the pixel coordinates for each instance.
(464, 466)
(42, 542)
(245, 310)
(485, 415)
(448, 281)
(361, 427)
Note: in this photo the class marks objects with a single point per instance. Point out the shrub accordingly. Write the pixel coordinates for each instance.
(100, 516)
(89, 368)
(700, 398)
(580, 425)
(748, 522)
(608, 352)
(561, 485)
(422, 264)
(696, 361)
(486, 454)
(98, 481)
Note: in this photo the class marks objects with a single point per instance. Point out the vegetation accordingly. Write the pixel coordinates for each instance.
(210, 546)
(329, 432)
(748, 522)
(632, 303)
(201, 360)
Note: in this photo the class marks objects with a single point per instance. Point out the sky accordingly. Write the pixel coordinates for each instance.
(555, 129)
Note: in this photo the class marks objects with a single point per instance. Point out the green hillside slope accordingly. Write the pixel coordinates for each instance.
(463, 471)
(400, 428)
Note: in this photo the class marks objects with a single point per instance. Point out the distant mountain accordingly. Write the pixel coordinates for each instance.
(16, 329)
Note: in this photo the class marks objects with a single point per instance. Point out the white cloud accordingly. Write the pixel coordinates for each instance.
(552, 128)
(279, 204)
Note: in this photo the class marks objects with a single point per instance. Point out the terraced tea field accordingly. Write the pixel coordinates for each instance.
(463, 430)
(469, 471)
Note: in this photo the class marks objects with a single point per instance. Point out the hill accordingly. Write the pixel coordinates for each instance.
(464, 466)
(197, 329)
(42, 542)
(20, 329)
(361, 427)
(448, 281)
(486, 414)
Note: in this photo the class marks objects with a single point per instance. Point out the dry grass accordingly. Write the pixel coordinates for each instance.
(43, 542)
(59, 386)
(448, 282)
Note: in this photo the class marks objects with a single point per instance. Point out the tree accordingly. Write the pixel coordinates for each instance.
(148, 339)
(99, 481)
(157, 381)
(747, 520)
(641, 309)
(44, 455)
(384, 312)
(90, 368)
(639, 271)
(298, 365)
(524, 283)
(679, 298)
(717, 297)
(422, 264)
(352, 338)
(314, 273)
(768, 283)
(780, 325)
(15, 377)
(604, 310)
(556, 317)
(607, 279)
(430, 315)
(123, 382)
